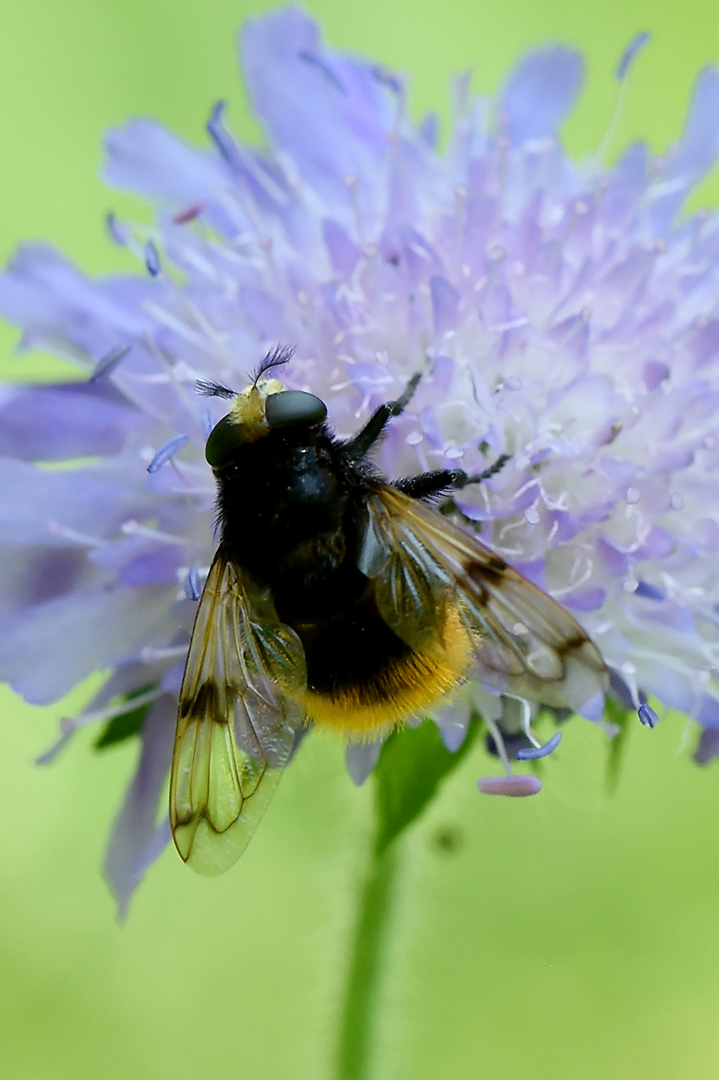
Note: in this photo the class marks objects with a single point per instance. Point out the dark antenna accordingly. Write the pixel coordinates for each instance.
(276, 357)
(214, 389)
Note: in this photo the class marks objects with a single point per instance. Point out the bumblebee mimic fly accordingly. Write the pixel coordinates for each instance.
(339, 599)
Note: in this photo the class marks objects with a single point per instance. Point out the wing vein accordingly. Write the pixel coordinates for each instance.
(526, 644)
(224, 771)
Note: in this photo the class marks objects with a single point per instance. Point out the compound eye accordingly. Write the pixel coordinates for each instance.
(225, 438)
(293, 407)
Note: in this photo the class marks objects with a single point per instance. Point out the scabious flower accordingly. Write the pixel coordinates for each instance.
(563, 314)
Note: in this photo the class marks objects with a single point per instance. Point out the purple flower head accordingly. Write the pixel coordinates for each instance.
(561, 314)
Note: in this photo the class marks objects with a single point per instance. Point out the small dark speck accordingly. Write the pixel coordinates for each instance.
(447, 839)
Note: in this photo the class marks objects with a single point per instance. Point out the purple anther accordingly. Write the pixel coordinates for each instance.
(514, 786)
(221, 137)
(387, 78)
(634, 47)
(152, 258)
(193, 590)
(189, 213)
(117, 232)
(107, 363)
(207, 424)
(323, 66)
(647, 715)
(167, 451)
(531, 753)
(651, 592)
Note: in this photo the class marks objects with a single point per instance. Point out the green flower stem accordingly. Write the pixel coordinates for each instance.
(412, 765)
(358, 1023)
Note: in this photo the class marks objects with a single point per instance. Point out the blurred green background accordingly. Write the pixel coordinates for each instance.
(572, 935)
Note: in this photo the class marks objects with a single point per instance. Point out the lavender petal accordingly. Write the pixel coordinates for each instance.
(540, 92)
(137, 839)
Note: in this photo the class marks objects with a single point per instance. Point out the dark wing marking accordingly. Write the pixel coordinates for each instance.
(527, 644)
(241, 704)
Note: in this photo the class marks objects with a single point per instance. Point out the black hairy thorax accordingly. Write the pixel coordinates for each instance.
(291, 512)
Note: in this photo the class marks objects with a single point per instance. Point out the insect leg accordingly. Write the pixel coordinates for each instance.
(379, 419)
(441, 480)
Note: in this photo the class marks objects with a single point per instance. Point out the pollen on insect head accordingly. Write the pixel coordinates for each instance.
(248, 407)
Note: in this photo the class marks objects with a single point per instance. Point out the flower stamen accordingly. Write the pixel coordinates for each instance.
(193, 589)
(536, 752)
(152, 258)
(107, 363)
(167, 452)
(647, 715)
(131, 527)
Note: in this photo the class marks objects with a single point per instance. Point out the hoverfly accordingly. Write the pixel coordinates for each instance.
(338, 599)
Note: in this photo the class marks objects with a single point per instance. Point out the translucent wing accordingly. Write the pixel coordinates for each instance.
(241, 704)
(526, 644)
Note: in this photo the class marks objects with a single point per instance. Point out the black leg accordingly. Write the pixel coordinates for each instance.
(370, 433)
(443, 480)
